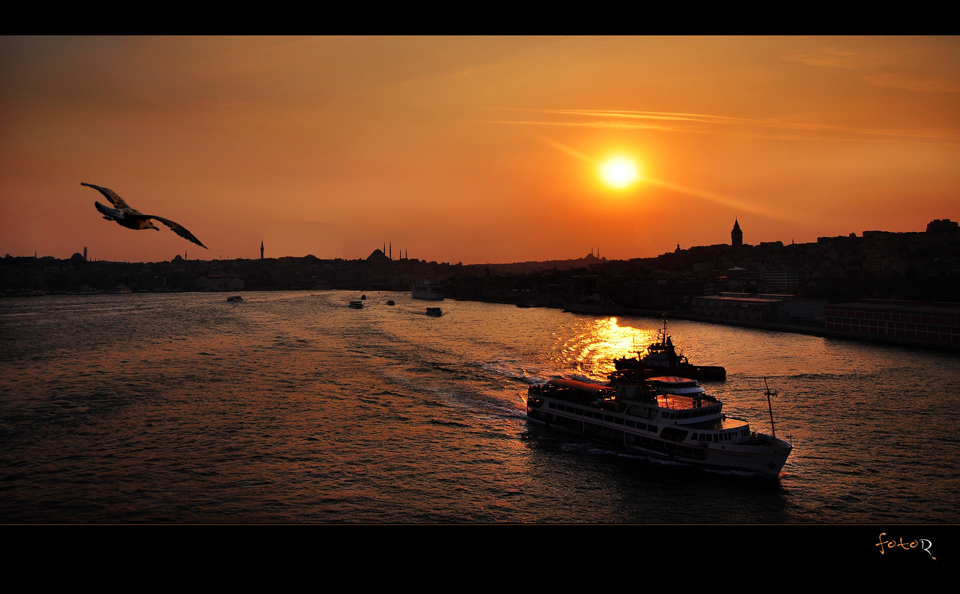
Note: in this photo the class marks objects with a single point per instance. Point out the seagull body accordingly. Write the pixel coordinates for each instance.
(132, 218)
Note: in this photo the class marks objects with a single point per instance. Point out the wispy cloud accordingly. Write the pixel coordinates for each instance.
(885, 65)
(914, 83)
(715, 124)
(834, 57)
(586, 124)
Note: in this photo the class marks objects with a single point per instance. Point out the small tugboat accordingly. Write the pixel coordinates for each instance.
(235, 299)
(663, 418)
(435, 312)
(662, 357)
(356, 305)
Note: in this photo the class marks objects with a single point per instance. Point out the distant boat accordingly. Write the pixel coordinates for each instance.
(593, 304)
(435, 312)
(390, 302)
(235, 299)
(356, 304)
(427, 290)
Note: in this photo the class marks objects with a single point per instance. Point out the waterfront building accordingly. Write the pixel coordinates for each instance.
(218, 282)
(910, 321)
(760, 308)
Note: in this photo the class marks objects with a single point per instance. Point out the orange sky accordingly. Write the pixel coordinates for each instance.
(473, 150)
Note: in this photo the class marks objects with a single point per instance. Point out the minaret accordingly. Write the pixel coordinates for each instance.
(261, 249)
(391, 251)
(736, 236)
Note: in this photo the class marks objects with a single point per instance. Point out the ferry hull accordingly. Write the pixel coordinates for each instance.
(766, 456)
(697, 372)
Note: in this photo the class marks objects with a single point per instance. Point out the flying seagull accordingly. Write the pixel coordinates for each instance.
(132, 218)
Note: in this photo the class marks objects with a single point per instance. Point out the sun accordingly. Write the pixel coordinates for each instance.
(619, 172)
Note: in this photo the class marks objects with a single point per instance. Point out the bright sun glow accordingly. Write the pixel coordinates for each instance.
(619, 172)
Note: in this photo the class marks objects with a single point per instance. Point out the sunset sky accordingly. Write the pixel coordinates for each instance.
(472, 149)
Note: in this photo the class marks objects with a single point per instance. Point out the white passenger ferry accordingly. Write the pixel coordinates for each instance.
(665, 418)
(427, 290)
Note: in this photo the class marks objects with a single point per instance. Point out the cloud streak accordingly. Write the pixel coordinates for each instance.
(747, 127)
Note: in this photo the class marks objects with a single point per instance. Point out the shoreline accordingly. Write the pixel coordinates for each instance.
(772, 326)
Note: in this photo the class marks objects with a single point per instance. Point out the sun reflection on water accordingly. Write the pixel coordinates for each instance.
(593, 349)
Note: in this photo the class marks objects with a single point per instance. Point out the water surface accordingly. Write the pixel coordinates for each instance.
(291, 407)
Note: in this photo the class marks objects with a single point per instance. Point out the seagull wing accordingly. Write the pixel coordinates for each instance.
(178, 229)
(109, 213)
(134, 215)
(109, 195)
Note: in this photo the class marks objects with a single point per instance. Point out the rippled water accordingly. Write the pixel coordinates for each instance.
(291, 407)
